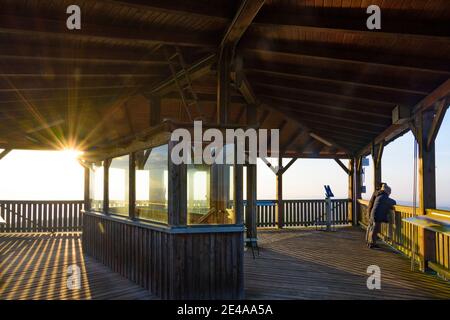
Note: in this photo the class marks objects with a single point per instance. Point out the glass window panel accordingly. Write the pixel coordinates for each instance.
(152, 184)
(119, 185)
(210, 194)
(96, 188)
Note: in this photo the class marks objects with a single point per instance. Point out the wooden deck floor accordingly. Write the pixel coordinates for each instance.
(292, 265)
(34, 266)
(319, 265)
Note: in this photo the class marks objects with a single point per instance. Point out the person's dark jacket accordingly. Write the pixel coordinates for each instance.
(382, 205)
(375, 194)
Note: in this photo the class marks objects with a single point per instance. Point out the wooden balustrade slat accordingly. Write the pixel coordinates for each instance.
(41, 216)
(298, 213)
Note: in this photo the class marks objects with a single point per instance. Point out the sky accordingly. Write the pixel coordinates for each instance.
(57, 175)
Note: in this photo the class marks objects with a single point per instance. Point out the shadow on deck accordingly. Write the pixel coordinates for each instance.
(301, 264)
(35, 266)
(311, 264)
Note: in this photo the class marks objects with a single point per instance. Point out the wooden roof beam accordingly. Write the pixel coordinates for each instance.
(4, 153)
(327, 107)
(241, 21)
(320, 97)
(338, 53)
(395, 130)
(244, 87)
(341, 78)
(441, 109)
(329, 118)
(301, 109)
(324, 94)
(366, 94)
(220, 11)
(339, 162)
(352, 21)
(36, 27)
(71, 52)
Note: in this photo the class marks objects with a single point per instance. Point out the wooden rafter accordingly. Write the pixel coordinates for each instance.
(347, 54)
(339, 90)
(4, 153)
(241, 21)
(37, 27)
(246, 90)
(317, 106)
(218, 12)
(441, 109)
(322, 97)
(439, 93)
(301, 110)
(351, 78)
(349, 20)
(288, 165)
(339, 162)
(392, 132)
(377, 153)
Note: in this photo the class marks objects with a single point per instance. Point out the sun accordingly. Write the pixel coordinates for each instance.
(70, 154)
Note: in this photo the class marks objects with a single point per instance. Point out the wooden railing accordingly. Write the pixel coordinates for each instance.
(442, 243)
(41, 216)
(397, 233)
(301, 213)
(402, 235)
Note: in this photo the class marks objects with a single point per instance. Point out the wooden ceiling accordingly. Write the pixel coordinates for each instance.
(313, 67)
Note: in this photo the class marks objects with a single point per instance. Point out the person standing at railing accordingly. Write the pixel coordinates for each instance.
(378, 213)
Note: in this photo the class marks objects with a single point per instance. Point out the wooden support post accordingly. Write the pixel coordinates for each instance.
(87, 192)
(132, 186)
(239, 193)
(357, 164)
(251, 210)
(250, 214)
(351, 191)
(377, 154)
(106, 164)
(280, 204)
(223, 85)
(427, 185)
(177, 206)
(427, 164)
(155, 111)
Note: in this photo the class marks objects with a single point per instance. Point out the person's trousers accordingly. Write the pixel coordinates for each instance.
(372, 232)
